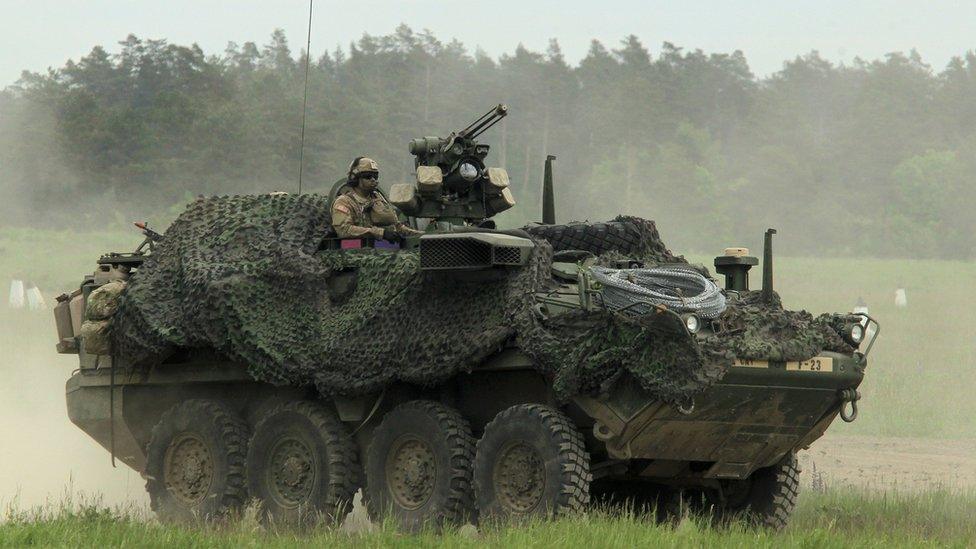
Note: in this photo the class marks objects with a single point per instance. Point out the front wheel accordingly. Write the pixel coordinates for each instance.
(531, 462)
(768, 497)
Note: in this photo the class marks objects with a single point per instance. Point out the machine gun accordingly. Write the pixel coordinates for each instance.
(121, 263)
(152, 237)
(453, 184)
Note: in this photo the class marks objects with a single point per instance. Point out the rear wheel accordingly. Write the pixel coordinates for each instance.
(195, 462)
(418, 466)
(531, 462)
(302, 464)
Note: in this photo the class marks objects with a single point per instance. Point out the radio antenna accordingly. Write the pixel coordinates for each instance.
(308, 58)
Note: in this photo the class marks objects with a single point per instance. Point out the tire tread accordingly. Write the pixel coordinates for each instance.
(460, 499)
(343, 457)
(234, 433)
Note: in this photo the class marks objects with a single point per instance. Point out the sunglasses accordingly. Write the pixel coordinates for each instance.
(369, 175)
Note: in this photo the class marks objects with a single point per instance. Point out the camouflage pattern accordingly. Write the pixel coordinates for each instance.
(754, 329)
(96, 335)
(244, 275)
(349, 217)
(104, 300)
(358, 216)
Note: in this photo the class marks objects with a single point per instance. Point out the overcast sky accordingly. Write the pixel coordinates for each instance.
(36, 34)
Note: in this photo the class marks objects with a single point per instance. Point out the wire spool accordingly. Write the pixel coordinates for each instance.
(638, 291)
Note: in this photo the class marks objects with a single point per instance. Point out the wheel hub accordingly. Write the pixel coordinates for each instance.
(411, 472)
(292, 472)
(520, 477)
(188, 469)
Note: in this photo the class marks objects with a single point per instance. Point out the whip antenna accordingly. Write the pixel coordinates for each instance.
(308, 57)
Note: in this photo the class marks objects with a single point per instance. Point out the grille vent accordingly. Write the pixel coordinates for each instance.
(454, 253)
(507, 255)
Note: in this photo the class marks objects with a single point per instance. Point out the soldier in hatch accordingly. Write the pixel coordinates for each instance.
(362, 212)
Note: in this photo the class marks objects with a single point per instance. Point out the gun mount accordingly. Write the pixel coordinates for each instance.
(453, 183)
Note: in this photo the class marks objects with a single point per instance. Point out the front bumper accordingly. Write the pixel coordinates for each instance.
(748, 420)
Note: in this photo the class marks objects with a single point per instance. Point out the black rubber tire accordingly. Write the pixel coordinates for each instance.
(772, 495)
(556, 445)
(448, 436)
(766, 499)
(330, 457)
(596, 238)
(224, 436)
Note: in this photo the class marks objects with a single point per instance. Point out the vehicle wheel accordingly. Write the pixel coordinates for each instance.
(768, 497)
(531, 462)
(195, 462)
(596, 238)
(302, 464)
(418, 466)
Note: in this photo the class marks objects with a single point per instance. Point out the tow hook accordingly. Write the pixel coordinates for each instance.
(849, 396)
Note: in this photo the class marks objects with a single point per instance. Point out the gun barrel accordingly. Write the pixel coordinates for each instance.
(486, 121)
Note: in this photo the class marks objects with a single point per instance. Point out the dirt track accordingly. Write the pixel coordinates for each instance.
(890, 463)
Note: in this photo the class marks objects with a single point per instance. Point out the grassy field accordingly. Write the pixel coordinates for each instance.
(832, 519)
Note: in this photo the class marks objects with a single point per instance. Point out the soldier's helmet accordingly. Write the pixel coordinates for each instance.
(360, 165)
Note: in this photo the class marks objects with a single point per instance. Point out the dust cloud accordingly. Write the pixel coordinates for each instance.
(44, 459)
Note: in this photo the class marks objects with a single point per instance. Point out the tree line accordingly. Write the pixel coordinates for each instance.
(872, 158)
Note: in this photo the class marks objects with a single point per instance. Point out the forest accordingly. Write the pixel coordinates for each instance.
(875, 158)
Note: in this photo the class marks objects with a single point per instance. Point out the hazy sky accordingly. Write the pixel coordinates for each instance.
(36, 34)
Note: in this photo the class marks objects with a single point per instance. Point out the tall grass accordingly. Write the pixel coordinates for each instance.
(837, 518)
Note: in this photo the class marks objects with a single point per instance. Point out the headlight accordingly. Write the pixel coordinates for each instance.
(693, 323)
(468, 171)
(857, 333)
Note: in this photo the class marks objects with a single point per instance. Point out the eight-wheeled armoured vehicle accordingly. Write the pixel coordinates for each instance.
(610, 381)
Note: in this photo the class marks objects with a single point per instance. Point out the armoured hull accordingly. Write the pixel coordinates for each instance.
(750, 419)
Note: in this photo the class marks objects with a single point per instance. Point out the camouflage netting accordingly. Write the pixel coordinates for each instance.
(244, 275)
(752, 329)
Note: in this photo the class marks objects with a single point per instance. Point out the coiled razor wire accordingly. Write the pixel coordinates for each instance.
(638, 291)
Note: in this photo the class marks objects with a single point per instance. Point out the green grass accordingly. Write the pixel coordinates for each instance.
(920, 377)
(833, 519)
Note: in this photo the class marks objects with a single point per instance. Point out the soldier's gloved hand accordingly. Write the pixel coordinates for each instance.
(390, 234)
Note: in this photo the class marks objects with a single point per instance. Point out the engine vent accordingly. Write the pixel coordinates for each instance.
(467, 251)
(506, 255)
(454, 253)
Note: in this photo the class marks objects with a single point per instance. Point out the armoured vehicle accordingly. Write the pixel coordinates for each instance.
(470, 373)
